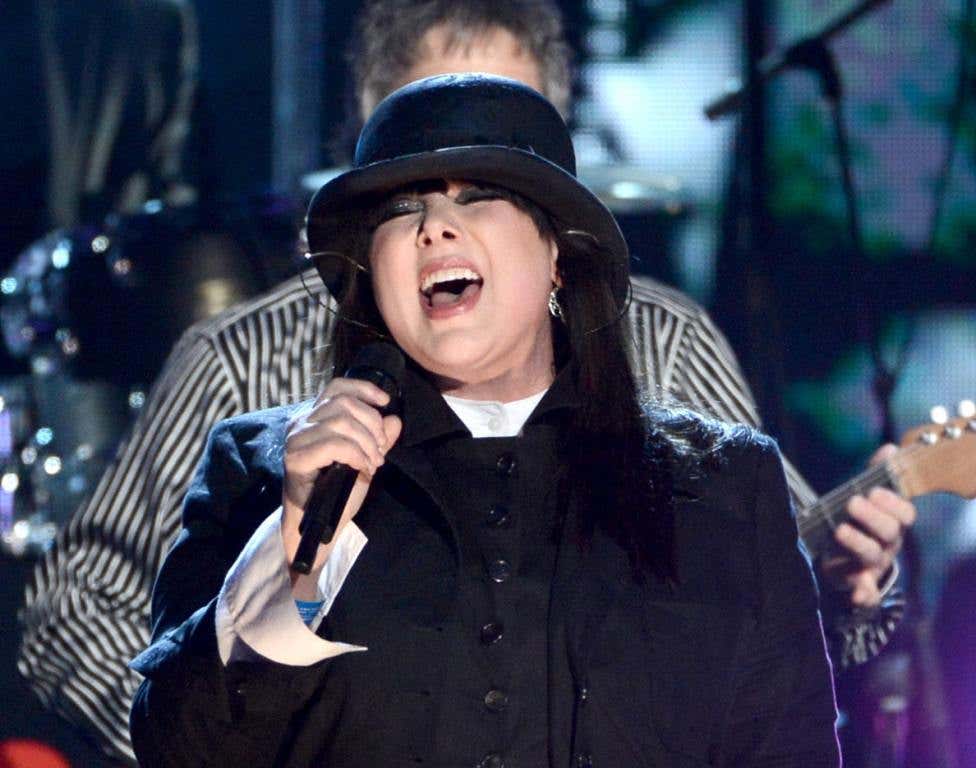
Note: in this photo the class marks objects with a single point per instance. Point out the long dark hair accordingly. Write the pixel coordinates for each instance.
(619, 468)
(622, 449)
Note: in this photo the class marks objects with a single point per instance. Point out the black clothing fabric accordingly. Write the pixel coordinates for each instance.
(506, 520)
(726, 667)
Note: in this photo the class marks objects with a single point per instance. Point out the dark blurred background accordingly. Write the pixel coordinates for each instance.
(841, 344)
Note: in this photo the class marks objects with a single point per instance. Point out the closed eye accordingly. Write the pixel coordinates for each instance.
(395, 208)
(477, 195)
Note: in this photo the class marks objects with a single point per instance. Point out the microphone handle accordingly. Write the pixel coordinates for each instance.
(322, 518)
(382, 365)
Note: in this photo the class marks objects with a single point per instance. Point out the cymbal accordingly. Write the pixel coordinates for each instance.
(634, 189)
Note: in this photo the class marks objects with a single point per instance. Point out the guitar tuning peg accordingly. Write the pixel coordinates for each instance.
(967, 409)
(953, 432)
(929, 438)
(939, 414)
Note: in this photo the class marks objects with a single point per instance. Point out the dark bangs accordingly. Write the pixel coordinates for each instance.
(372, 210)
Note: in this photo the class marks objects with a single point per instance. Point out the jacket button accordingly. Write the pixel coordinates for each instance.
(583, 694)
(496, 700)
(499, 570)
(583, 760)
(506, 465)
(498, 516)
(491, 760)
(492, 632)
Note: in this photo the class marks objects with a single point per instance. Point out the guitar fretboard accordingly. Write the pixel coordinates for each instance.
(818, 521)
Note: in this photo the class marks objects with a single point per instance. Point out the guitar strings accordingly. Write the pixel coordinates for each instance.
(824, 509)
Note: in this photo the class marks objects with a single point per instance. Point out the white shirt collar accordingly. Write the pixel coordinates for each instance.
(489, 418)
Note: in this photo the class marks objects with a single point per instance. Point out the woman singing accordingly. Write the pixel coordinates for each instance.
(537, 565)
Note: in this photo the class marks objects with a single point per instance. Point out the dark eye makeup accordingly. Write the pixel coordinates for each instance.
(391, 208)
(409, 201)
(475, 194)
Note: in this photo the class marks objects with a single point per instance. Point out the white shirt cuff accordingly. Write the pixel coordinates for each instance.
(256, 614)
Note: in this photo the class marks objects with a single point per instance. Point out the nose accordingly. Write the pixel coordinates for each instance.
(439, 221)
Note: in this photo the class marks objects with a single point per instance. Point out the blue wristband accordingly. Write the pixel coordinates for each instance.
(308, 609)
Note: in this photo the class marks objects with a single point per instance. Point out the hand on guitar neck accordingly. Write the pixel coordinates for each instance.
(855, 532)
(866, 544)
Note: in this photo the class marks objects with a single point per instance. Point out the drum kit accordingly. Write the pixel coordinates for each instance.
(93, 312)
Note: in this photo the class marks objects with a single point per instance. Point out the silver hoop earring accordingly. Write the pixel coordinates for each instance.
(554, 308)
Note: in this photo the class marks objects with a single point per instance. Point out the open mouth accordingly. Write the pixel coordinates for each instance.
(450, 287)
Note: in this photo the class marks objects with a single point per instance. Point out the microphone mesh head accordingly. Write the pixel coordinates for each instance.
(379, 356)
(383, 365)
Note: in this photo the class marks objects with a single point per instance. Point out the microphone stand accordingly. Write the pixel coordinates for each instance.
(788, 58)
(753, 262)
(890, 723)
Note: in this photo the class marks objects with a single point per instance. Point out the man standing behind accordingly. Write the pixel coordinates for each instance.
(88, 612)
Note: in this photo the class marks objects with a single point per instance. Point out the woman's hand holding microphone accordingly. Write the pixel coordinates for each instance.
(343, 426)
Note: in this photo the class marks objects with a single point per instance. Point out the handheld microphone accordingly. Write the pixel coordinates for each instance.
(381, 364)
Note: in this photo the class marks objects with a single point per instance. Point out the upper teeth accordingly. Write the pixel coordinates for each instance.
(446, 275)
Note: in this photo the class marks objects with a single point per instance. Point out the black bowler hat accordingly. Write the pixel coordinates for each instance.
(472, 127)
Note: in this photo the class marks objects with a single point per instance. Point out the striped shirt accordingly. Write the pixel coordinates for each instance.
(88, 610)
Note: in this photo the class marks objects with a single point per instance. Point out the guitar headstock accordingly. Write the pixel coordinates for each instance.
(940, 456)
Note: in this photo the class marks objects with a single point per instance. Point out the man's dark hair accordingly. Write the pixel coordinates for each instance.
(387, 33)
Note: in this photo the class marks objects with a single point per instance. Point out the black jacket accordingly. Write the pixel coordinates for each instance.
(726, 668)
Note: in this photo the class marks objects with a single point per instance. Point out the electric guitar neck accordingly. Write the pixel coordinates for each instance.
(932, 458)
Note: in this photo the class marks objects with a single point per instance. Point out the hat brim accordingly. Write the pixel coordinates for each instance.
(333, 210)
